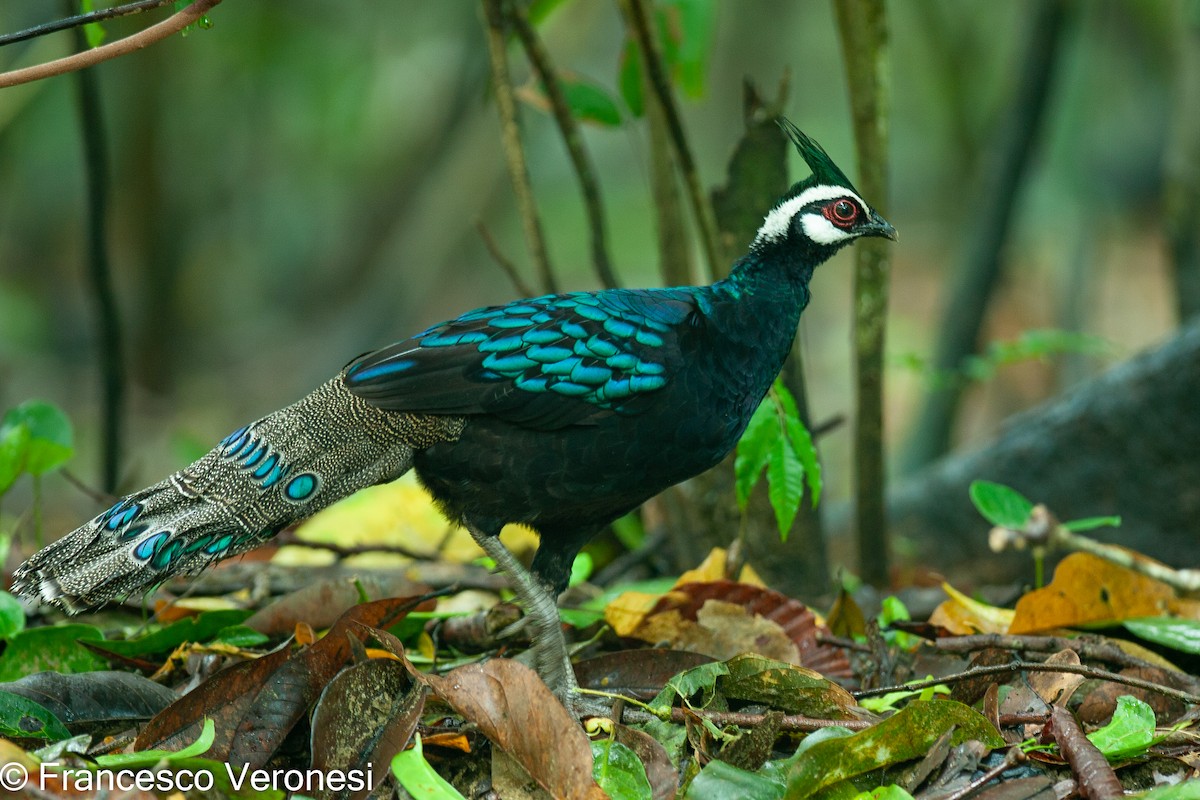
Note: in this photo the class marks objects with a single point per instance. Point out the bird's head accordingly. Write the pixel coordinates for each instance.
(822, 213)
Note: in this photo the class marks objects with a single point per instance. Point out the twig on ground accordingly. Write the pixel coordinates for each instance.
(1027, 666)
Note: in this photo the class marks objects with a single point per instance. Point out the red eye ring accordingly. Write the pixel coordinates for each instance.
(842, 212)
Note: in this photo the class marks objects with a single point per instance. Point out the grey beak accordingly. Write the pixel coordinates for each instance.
(878, 226)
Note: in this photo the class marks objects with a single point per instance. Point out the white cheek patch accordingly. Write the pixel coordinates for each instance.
(775, 226)
(821, 230)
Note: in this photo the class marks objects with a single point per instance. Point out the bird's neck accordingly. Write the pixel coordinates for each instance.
(756, 310)
(770, 287)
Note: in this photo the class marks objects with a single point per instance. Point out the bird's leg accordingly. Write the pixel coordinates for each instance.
(551, 659)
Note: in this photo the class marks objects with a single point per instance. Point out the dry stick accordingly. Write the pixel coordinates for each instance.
(89, 58)
(794, 723)
(1096, 778)
(518, 171)
(1014, 757)
(505, 264)
(863, 28)
(1087, 650)
(568, 126)
(289, 538)
(637, 14)
(96, 170)
(1026, 666)
(81, 19)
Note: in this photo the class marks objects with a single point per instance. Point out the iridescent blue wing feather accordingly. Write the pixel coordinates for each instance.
(543, 363)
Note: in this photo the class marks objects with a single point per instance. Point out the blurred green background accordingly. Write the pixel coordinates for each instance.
(302, 182)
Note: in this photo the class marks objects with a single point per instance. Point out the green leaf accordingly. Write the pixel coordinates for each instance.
(1130, 733)
(50, 436)
(1090, 523)
(806, 451)
(93, 31)
(619, 771)
(54, 648)
(629, 78)
(889, 792)
(14, 447)
(418, 778)
(686, 28)
(22, 718)
(539, 10)
(903, 736)
(240, 636)
(1188, 790)
(1000, 505)
(785, 484)
(1178, 634)
(719, 779)
(148, 758)
(798, 435)
(581, 569)
(629, 530)
(12, 616)
(590, 102)
(753, 450)
(689, 682)
(580, 617)
(191, 629)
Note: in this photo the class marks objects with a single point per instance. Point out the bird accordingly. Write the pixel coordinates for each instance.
(561, 413)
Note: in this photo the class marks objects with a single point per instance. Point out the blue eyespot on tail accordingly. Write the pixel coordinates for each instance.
(302, 487)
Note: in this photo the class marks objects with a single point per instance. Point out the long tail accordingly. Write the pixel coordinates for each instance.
(259, 479)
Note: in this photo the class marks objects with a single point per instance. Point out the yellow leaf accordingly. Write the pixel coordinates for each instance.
(963, 616)
(1087, 590)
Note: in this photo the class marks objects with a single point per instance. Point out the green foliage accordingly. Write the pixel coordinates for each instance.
(1007, 508)
(1091, 523)
(418, 778)
(1178, 634)
(204, 22)
(190, 629)
(50, 438)
(12, 616)
(14, 443)
(22, 718)
(590, 102)
(719, 779)
(619, 771)
(93, 32)
(893, 701)
(775, 441)
(1030, 345)
(581, 569)
(54, 648)
(149, 758)
(1000, 505)
(1130, 732)
(685, 32)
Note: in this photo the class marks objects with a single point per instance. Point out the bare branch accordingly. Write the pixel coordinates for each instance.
(637, 15)
(503, 261)
(81, 19)
(573, 139)
(88, 58)
(863, 28)
(518, 170)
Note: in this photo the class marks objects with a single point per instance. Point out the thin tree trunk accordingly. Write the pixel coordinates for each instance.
(863, 28)
(979, 273)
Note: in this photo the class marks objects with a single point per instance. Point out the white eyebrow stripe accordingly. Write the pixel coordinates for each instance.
(776, 223)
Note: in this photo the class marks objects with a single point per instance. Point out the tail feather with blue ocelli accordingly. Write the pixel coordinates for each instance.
(258, 480)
